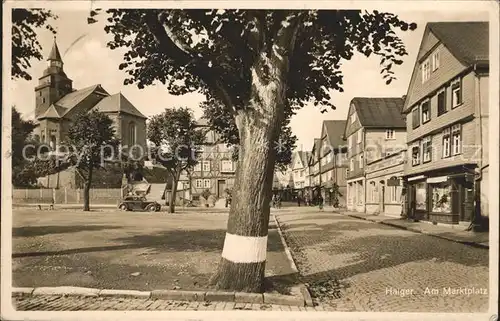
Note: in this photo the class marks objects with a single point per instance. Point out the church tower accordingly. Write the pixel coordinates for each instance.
(54, 84)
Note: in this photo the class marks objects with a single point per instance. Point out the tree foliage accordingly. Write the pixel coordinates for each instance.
(22, 175)
(214, 51)
(91, 144)
(176, 143)
(26, 23)
(224, 124)
(91, 141)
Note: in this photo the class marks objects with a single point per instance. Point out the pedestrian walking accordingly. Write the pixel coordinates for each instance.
(298, 200)
(320, 202)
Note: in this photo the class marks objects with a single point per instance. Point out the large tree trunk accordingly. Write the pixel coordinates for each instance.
(175, 181)
(86, 191)
(244, 255)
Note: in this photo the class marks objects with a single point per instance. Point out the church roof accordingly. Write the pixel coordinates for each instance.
(53, 112)
(54, 53)
(117, 103)
(72, 99)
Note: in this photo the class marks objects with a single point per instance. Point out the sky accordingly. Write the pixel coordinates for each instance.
(88, 61)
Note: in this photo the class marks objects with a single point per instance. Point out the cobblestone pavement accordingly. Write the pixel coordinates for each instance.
(72, 303)
(356, 265)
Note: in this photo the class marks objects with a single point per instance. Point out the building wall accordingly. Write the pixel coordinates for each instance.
(449, 67)
(452, 115)
(214, 154)
(379, 196)
(377, 144)
(140, 124)
(470, 152)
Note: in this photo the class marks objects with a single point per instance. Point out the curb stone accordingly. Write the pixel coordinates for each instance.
(307, 296)
(271, 298)
(66, 290)
(124, 293)
(416, 230)
(220, 296)
(174, 295)
(248, 297)
(23, 291)
(196, 296)
(285, 245)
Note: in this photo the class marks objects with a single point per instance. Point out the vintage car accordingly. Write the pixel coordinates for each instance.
(138, 203)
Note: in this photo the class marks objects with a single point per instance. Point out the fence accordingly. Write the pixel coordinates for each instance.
(65, 196)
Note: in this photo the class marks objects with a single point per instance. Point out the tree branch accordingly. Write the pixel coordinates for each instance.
(284, 43)
(170, 44)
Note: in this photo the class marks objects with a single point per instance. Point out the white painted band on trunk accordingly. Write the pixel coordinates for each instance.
(245, 249)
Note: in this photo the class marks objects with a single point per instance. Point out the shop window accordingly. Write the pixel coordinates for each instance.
(421, 196)
(441, 198)
(360, 193)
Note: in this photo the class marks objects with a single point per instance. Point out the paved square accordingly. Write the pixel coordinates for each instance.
(125, 250)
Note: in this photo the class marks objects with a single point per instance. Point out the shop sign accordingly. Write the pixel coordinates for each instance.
(416, 178)
(435, 180)
(393, 182)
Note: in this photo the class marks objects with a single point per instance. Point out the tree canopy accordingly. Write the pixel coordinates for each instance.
(177, 139)
(177, 143)
(214, 51)
(26, 24)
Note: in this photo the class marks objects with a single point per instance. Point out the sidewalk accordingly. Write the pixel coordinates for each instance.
(455, 234)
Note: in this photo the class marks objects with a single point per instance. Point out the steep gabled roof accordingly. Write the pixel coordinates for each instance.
(53, 112)
(467, 41)
(117, 103)
(335, 132)
(380, 112)
(315, 151)
(71, 100)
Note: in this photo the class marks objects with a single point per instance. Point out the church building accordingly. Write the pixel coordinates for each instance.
(58, 103)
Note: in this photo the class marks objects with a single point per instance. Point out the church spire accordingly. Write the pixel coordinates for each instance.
(54, 53)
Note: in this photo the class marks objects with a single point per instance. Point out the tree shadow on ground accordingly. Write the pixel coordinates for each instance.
(30, 231)
(165, 241)
(281, 283)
